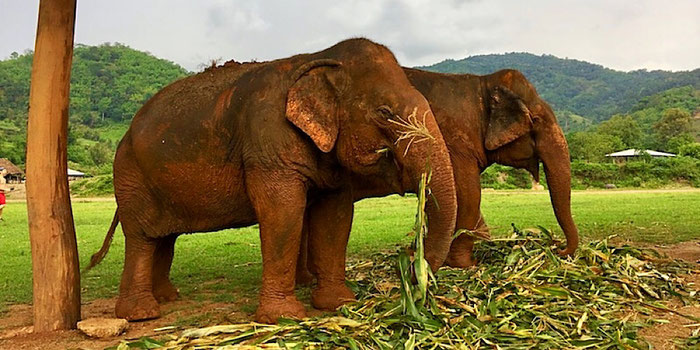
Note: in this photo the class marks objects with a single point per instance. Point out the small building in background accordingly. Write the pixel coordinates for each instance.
(75, 175)
(631, 154)
(13, 173)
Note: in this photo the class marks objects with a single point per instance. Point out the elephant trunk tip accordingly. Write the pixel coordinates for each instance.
(571, 246)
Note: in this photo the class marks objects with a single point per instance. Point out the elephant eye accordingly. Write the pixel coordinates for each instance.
(386, 112)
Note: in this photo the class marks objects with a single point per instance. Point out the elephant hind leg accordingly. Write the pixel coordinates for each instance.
(163, 289)
(136, 300)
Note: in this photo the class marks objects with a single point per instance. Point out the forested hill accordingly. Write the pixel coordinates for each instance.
(574, 86)
(109, 83)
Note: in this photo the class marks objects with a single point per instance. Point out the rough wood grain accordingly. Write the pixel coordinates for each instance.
(52, 233)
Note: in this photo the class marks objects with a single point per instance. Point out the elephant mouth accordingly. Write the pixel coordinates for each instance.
(399, 186)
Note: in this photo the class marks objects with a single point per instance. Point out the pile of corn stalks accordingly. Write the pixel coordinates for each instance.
(520, 296)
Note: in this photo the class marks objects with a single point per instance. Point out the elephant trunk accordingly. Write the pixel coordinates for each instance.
(441, 204)
(554, 153)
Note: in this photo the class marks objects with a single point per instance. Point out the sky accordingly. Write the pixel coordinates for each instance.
(620, 34)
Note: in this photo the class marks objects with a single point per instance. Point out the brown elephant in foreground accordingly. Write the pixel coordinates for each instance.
(496, 118)
(276, 143)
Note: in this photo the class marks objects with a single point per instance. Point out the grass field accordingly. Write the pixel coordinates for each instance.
(225, 266)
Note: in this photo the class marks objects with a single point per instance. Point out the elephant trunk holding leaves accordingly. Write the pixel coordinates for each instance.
(496, 118)
(278, 143)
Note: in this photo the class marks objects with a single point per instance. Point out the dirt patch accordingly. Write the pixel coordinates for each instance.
(16, 330)
(688, 251)
(663, 335)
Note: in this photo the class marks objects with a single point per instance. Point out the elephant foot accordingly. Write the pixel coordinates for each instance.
(137, 307)
(270, 309)
(165, 292)
(461, 261)
(331, 297)
(304, 278)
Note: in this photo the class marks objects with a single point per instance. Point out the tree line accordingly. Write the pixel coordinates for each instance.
(600, 109)
(109, 83)
(576, 87)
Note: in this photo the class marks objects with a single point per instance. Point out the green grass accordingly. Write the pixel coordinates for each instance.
(112, 131)
(228, 262)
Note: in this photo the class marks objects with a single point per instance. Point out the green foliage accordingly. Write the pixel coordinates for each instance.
(675, 143)
(13, 141)
(100, 153)
(109, 83)
(624, 127)
(686, 98)
(654, 172)
(650, 109)
(501, 177)
(571, 122)
(592, 146)
(96, 186)
(690, 150)
(674, 122)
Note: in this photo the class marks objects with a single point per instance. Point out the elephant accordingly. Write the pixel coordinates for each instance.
(277, 143)
(496, 118)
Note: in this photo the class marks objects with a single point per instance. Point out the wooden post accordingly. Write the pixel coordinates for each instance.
(54, 249)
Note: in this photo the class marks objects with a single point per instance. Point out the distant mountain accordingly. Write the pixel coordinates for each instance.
(648, 110)
(577, 87)
(109, 83)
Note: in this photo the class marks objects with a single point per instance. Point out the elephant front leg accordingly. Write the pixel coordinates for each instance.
(163, 289)
(329, 223)
(462, 249)
(469, 215)
(136, 300)
(279, 203)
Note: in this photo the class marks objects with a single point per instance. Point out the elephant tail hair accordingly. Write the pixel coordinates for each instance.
(97, 257)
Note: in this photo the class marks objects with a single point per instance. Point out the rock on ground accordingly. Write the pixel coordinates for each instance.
(103, 327)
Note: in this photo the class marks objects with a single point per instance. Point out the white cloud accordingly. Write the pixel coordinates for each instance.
(622, 35)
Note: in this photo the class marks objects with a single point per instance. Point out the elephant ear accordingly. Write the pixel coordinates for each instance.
(313, 104)
(508, 120)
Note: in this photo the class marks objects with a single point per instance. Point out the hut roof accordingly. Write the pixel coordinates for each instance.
(636, 152)
(76, 173)
(11, 168)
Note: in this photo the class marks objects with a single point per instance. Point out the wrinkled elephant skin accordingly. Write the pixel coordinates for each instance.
(496, 118)
(278, 143)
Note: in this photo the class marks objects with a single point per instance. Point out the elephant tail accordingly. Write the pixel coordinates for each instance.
(97, 257)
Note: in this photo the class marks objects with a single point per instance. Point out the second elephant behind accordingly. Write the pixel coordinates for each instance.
(495, 118)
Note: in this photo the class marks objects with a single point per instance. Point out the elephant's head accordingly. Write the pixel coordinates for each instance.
(345, 99)
(521, 131)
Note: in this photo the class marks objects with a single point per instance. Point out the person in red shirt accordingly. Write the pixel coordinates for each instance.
(2, 190)
(2, 201)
